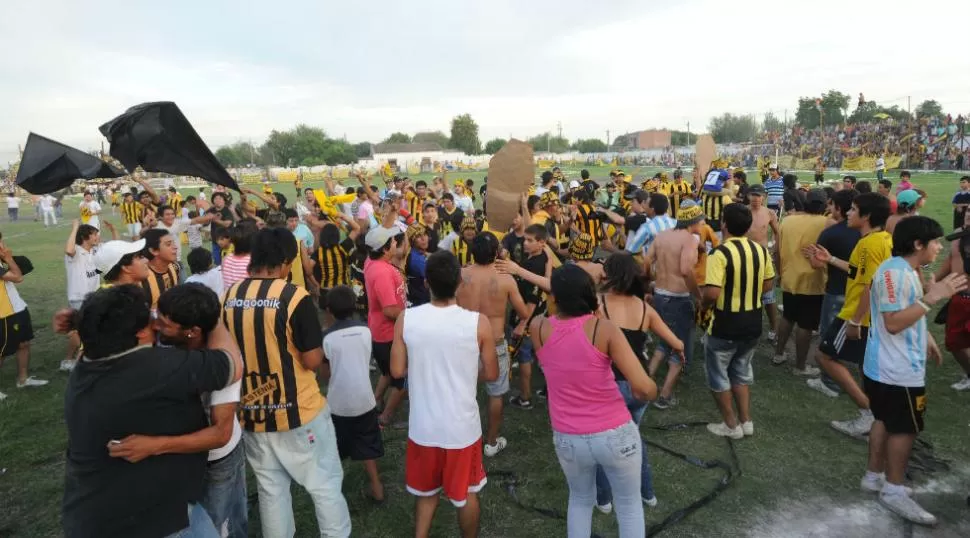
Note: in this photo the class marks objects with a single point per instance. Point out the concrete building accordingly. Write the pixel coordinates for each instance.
(648, 139)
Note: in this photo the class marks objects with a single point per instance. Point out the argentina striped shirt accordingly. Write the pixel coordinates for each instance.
(647, 232)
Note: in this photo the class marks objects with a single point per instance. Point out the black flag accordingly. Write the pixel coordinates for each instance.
(49, 166)
(157, 137)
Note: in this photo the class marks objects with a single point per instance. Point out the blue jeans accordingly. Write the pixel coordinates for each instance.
(618, 452)
(216, 254)
(200, 525)
(728, 362)
(831, 306)
(678, 313)
(225, 494)
(604, 494)
(526, 353)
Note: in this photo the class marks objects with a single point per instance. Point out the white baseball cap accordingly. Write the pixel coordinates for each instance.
(574, 184)
(109, 254)
(378, 237)
(773, 166)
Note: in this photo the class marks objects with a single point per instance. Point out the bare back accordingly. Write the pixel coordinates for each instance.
(670, 249)
(487, 292)
(760, 220)
(593, 269)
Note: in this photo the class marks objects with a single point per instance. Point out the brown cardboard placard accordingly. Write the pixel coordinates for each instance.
(704, 154)
(510, 173)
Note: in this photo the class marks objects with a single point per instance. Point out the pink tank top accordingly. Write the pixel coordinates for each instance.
(583, 396)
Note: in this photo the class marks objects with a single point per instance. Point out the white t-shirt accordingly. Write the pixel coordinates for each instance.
(895, 359)
(465, 204)
(46, 202)
(91, 208)
(13, 202)
(201, 196)
(211, 279)
(16, 302)
(178, 226)
(347, 347)
(82, 277)
(442, 376)
(195, 235)
(229, 394)
(880, 164)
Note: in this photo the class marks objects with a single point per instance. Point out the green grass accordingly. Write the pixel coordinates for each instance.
(795, 456)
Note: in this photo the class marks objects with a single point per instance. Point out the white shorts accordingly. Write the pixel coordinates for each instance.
(134, 230)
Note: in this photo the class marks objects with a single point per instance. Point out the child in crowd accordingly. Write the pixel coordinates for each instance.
(203, 272)
(346, 354)
(194, 231)
(225, 244)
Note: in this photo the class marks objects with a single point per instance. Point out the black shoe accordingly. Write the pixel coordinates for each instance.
(520, 403)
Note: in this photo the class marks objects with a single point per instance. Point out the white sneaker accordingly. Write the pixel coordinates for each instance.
(492, 450)
(605, 508)
(809, 371)
(905, 507)
(856, 427)
(963, 384)
(778, 360)
(67, 366)
(2, 396)
(651, 502)
(747, 428)
(817, 384)
(32, 382)
(875, 484)
(722, 430)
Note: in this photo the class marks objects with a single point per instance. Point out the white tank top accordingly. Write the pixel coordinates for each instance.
(443, 361)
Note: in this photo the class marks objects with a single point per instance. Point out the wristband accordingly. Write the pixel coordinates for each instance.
(854, 323)
(924, 305)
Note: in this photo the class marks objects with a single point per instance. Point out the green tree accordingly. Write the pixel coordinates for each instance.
(547, 142)
(240, 154)
(929, 109)
(431, 137)
(590, 145)
(398, 138)
(682, 138)
(834, 106)
(362, 149)
(729, 128)
(771, 124)
(308, 146)
(464, 135)
(869, 111)
(493, 145)
(281, 144)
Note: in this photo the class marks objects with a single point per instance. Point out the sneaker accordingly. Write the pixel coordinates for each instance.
(874, 484)
(817, 384)
(515, 365)
(809, 371)
(517, 401)
(31, 382)
(665, 403)
(542, 393)
(651, 502)
(492, 450)
(721, 430)
(67, 365)
(747, 428)
(963, 384)
(778, 360)
(905, 507)
(605, 508)
(2, 396)
(856, 427)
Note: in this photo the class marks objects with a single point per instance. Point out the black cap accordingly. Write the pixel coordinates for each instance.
(757, 188)
(639, 195)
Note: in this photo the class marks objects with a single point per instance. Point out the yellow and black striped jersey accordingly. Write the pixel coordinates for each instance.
(131, 212)
(274, 322)
(157, 283)
(739, 266)
(679, 191)
(461, 249)
(587, 222)
(333, 264)
(416, 205)
(176, 203)
(713, 203)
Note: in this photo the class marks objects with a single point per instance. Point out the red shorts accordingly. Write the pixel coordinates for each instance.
(958, 323)
(458, 472)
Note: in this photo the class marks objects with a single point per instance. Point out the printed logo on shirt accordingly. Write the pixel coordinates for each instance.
(890, 287)
(246, 304)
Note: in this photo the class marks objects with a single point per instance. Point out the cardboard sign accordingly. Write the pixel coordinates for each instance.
(704, 154)
(510, 174)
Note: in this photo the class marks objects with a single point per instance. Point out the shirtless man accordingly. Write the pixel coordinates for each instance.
(762, 219)
(957, 261)
(484, 290)
(673, 255)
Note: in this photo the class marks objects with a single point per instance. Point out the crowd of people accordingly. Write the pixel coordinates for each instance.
(184, 368)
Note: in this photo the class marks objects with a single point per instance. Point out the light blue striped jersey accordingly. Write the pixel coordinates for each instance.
(775, 189)
(895, 359)
(648, 231)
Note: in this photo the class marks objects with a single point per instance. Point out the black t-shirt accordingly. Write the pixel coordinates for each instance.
(633, 222)
(224, 214)
(433, 240)
(839, 240)
(531, 293)
(148, 391)
(450, 223)
(515, 246)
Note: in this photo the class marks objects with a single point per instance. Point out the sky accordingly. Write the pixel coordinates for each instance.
(362, 70)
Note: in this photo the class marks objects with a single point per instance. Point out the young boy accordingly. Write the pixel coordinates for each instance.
(960, 201)
(346, 364)
(221, 237)
(203, 272)
(194, 231)
(895, 360)
(536, 262)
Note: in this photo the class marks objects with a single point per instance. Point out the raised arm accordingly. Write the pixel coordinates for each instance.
(148, 188)
(70, 247)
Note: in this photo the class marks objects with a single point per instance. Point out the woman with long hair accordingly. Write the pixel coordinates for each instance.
(620, 303)
(590, 420)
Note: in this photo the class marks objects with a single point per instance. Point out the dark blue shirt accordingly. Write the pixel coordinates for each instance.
(839, 240)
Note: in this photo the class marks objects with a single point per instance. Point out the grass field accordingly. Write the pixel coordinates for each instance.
(798, 476)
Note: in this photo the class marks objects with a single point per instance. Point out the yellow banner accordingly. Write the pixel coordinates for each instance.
(341, 173)
(252, 177)
(288, 176)
(545, 163)
(314, 176)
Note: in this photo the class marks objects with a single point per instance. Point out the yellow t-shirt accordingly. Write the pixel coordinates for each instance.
(868, 253)
(797, 274)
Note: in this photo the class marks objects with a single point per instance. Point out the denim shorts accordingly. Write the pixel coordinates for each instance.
(831, 306)
(768, 297)
(678, 313)
(728, 362)
(500, 386)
